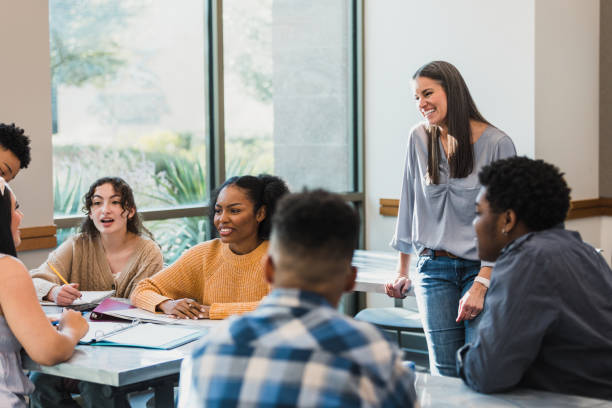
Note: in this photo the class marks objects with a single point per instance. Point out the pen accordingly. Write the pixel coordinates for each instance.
(57, 273)
(56, 322)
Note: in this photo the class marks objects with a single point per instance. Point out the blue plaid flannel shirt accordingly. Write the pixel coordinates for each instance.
(295, 350)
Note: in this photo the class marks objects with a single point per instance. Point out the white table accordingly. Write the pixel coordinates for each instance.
(452, 392)
(375, 268)
(127, 368)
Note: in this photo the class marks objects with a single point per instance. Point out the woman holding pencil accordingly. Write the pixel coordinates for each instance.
(113, 251)
(22, 321)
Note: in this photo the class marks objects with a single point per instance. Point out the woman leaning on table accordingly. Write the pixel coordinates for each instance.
(440, 184)
(113, 251)
(223, 276)
(22, 321)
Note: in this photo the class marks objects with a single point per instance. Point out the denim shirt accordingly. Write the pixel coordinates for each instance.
(439, 216)
(548, 319)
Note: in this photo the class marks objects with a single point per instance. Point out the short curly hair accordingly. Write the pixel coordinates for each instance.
(534, 189)
(13, 138)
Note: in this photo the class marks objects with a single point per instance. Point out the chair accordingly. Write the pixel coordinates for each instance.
(396, 319)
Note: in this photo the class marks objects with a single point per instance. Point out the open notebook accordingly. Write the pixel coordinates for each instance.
(88, 300)
(136, 334)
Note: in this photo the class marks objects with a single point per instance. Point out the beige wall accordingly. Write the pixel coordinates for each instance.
(25, 89)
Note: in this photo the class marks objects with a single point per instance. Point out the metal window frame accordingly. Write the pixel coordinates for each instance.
(216, 120)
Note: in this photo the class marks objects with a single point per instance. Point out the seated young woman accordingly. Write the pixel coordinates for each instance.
(223, 276)
(113, 251)
(22, 320)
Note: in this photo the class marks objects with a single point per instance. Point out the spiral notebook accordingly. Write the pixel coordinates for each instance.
(143, 335)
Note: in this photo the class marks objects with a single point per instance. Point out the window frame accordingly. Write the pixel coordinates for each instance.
(216, 119)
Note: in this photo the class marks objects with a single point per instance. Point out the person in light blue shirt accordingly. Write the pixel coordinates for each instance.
(296, 349)
(436, 211)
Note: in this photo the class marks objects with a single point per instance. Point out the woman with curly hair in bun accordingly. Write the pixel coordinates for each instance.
(223, 276)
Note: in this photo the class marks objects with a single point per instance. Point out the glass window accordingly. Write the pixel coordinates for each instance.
(129, 99)
(287, 73)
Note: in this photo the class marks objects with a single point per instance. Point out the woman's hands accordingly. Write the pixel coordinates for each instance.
(399, 287)
(472, 302)
(64, 295)
(184, 309)
(74, 322)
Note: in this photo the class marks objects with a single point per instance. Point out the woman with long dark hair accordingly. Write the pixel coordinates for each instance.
(22, 321)
(440, 184)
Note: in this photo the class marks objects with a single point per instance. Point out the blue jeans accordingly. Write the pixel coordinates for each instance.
(439, 285)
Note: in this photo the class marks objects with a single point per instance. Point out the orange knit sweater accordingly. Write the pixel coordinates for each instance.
(211, 274)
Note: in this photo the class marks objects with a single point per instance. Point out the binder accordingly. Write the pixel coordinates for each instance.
(142, 335)
(103, 310)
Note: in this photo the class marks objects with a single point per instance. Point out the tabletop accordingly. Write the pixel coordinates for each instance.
(375, 268)
(437, 391)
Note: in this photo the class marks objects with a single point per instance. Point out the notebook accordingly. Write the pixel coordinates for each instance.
(146, 316)
(88, 300)
(142, 335)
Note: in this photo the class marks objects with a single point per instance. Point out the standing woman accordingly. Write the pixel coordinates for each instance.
(440, 184)
(223, 276)
(114, 251)
(22, 321)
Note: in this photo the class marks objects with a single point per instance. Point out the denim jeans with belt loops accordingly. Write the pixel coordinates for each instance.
(439, 285)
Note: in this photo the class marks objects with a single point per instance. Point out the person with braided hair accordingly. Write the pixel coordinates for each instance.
(223, 276)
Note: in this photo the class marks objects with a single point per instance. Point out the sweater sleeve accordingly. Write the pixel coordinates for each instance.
(219, 311)
(182, 279)
(43, 277)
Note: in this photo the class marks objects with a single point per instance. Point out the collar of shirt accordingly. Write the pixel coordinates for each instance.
(290, 297)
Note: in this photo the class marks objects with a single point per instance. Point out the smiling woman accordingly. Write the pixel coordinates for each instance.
(223, 276)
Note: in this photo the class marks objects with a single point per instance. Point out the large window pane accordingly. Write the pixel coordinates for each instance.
(129, 99)
(287, 72)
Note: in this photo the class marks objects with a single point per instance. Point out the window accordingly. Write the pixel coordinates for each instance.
(174, 97)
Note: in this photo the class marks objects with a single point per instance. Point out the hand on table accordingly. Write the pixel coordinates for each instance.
(184, 309)
(73, 321)
(398, 288)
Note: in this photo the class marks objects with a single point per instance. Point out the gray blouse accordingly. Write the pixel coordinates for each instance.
(439, 216)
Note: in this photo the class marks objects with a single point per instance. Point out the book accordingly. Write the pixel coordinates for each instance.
(146, 316)
(89, 299)
(142, 335)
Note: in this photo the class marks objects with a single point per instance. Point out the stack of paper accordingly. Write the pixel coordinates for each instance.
(88, 300)
(144, 335)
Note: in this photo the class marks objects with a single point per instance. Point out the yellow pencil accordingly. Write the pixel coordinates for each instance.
(57, 273)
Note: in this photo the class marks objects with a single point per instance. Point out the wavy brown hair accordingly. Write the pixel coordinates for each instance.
(122, 188)
(460, 108)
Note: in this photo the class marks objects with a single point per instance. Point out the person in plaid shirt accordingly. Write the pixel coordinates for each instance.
(296, 349)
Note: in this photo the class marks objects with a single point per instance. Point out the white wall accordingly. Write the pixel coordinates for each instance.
(490, 42)
(567, 91)
(25, 99)
(532, 68)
